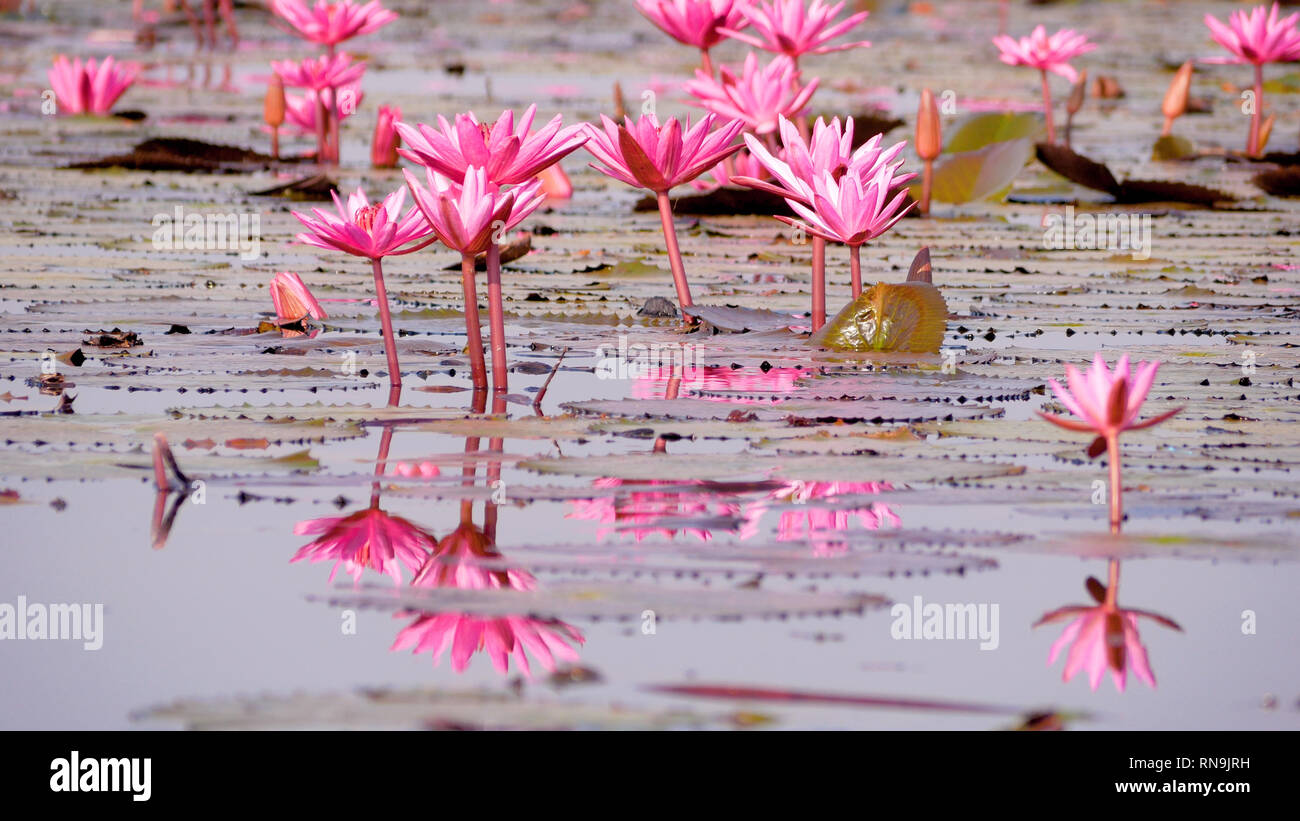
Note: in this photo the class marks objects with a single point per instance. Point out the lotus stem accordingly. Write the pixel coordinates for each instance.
(674, 253)
(497, 321)
(1116, 488)
(1169, 127)
(322, 115)
(386, 320)
(473, 325)
(275, 142)
(1047, 109)
(706, 62)
(855, 269)
(1252, 143)
(818, 283)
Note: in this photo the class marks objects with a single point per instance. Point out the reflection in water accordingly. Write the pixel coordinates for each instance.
(369, 538)
(650, 512)
(663, 381)
(1103, 636)
(818, 522)
(466, 559)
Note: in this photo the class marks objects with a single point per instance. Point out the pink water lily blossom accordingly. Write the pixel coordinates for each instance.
(384, 144)
(292, 299)
(508, 152)
(788, 27)
(829, 150)
(855, 208)
(365, 230)
(1257, 37)
(374, 232)
(471, 216)
(369, 538)
(330, 23)
(758, 96)
(1047, 54)
(1107, 404)
(91, 87)
(319, 73)
(300, 110)
(694, 22)
(645, 154)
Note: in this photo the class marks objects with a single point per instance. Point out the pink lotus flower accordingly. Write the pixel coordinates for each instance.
(855, 208)
(1107, 404)
(368, 538)
(1045, 54)
(373, 232)
(326, 71)
(502, 638)
(555, 183)
(365, 230)
(694, 22)
(1104, 637)
(293, 302)
(383, 148)
(786, 27)
(300, 110)
(647, 155)
(743, 164)
(509, 154)
(829, 151)
(758, 97)
(330, 23)
(467, 216)
(91, 87)
(471, 217)
(1257, 38)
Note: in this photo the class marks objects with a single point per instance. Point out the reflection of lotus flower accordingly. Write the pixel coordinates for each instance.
(787, 27)
(501, 638)
(734, 382)
(459, 561)
(368, 538)
(645, 510)
(757, 96)
(817, 522)
(292, 300)
(330, 23)
(1103, 637)
(92, 87)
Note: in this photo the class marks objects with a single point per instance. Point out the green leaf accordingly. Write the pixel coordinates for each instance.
(1172, 148)
(983, 130)
(976, 175)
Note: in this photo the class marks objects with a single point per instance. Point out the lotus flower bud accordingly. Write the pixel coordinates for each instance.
(929, 136)
(273, 105)
(1077, 94)
(1175, 103)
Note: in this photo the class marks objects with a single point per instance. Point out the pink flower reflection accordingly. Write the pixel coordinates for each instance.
(467, 559)
(642, 512)
(658, 382)
(816, 522)
(368, 538)
(1104, 636)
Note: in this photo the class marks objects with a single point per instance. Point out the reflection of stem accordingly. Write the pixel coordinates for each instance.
(1047, 108)
(674, 252)
(1252, 143)
(497, 321)
(381, 464)
(473, 325)
(855, 269)
(818, 282)
(1112, 584)
(386, 320)
(674, 384)
(1116, 489)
